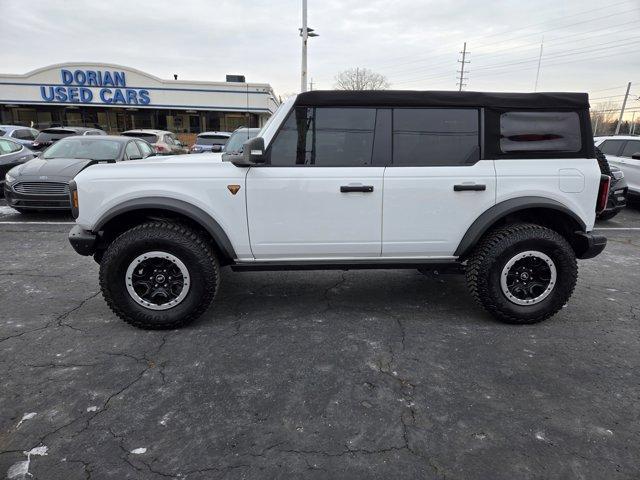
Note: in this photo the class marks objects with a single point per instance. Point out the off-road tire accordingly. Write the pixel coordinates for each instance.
(485, 265)
(187, 245)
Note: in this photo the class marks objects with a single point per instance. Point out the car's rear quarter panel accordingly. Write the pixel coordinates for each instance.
(574, 182)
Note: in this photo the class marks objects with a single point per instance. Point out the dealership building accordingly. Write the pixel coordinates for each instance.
(116, 98)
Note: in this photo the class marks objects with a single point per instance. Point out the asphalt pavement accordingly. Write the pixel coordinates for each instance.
(319, 375)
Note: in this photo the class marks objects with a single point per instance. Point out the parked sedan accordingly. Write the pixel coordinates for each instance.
(49, 136)
(210, 142)
(23, 135)
(43, 183)
(11, 155)
(164, 142)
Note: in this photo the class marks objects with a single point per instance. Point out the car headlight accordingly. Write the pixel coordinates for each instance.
(9, 179)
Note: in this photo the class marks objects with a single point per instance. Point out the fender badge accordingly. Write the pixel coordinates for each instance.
(233, 189)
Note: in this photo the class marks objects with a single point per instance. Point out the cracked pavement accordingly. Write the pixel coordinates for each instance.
(357, 374)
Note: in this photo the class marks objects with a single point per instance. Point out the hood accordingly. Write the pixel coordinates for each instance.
(207, 157)
(55, 167)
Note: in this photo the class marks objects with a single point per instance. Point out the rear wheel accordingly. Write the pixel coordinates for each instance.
(159, 275)
(522, 273)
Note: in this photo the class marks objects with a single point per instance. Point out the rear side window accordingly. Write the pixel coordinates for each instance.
(435, 136)
(144, 147)
(611, 147)
(8, 147)
(631, 148)
(325, 137)
(132, 151)
(2, 132)
(540, 132)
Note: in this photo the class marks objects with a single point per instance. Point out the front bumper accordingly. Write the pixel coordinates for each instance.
(588, 245)
(35, 201)
(83, 241)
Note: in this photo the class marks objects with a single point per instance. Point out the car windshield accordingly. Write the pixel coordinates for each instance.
(149, 137)
(83, 147)
(211, 139)
(234, 145)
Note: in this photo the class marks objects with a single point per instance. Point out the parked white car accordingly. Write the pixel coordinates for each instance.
(502, 186)
(623, 151)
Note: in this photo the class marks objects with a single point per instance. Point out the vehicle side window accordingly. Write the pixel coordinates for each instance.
(132, 152)
(611, 147)
(632, 147)
(169, 140)
(435, 136)
(8, 147)
(540, 132)
(145, 149)
(325, 137)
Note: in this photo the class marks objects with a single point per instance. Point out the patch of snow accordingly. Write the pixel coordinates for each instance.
(139, 451)
(92, 408)
(26, 416)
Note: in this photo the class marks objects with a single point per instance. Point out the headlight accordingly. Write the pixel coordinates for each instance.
(9, 179)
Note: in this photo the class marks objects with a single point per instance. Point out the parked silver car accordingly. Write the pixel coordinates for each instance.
(164, 142)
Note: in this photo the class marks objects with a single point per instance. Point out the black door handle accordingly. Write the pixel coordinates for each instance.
(356, 188)
(469, 187)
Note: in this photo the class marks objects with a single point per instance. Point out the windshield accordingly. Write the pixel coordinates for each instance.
(211, 139)
(234, 145)
(83, 147)
(149, 137)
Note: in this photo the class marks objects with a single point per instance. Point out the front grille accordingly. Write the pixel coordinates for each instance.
(42, 188)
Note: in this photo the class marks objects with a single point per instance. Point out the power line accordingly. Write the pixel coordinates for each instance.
(511, 30)
(432, 66)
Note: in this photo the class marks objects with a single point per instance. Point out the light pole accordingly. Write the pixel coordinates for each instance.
(305, 33)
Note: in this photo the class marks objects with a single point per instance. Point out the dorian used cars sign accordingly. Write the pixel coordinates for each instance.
(78, 87)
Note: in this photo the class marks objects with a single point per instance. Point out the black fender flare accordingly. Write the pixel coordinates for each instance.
(176, 206)
(500, 210)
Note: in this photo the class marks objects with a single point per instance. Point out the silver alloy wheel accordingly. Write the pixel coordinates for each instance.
(157, 280)
(528, 278)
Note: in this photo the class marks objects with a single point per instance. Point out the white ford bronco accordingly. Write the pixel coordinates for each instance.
(503, 186)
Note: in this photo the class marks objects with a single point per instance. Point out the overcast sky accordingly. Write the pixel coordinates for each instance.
(589, 45)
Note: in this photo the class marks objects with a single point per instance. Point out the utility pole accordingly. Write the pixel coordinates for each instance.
(632, 127)
(311, 84)
(535, 88)
(461, 71)
(305, 33)
(624, 104)
(595, 127)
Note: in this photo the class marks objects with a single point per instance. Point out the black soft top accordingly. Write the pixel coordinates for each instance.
(434, 98)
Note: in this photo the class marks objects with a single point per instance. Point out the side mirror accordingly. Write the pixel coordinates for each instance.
(216, 148)
(636, 156)
(253, 153)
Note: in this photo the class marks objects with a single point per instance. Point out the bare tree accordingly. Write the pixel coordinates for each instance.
(604, 117)
(360, 79)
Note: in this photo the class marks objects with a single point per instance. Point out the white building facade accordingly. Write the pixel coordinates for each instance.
(117, 98)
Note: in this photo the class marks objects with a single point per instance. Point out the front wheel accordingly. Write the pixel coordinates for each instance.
(522, 273)
(159, 275)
